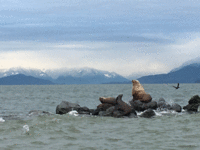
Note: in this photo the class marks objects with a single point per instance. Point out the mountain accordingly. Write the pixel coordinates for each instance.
(21, 79)
(28, 72)
(69, 76)
(89, 76)
(186, 74)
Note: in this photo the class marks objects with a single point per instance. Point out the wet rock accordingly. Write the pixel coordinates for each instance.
(38, 113)
(66, 107)
(140, 106)
(96, 112)
(193, 104)
(83, 110)
(102, 113)
(194, 100)
(148, 113)
(150, 105)
(176, 107)
(118, 114)
(163, 105)
(137, 105)
(191, 107)
(109, 111)
(133, 114)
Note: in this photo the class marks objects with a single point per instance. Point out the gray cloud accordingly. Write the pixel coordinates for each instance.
(100, 20)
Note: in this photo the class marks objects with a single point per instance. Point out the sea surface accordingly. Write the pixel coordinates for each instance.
(21, 130)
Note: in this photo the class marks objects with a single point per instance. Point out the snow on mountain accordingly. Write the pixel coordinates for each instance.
(28, 72)
(195, 61)
(69, 76)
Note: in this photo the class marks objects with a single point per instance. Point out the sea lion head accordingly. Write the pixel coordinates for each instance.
(135, 82)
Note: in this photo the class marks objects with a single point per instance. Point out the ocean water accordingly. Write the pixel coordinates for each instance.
(23, 131)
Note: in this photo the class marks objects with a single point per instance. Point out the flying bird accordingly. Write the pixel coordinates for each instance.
(176, 87)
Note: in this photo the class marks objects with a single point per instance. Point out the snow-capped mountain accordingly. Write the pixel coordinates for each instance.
(189, 72)
(29, 72)
(69, 76)
(195, 61)
(89, 76)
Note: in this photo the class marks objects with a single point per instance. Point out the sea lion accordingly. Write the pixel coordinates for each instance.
(139, 93)
(104, 106)
(108, 100)
(122, 106)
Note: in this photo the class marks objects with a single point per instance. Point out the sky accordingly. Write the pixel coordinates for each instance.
(138, 37)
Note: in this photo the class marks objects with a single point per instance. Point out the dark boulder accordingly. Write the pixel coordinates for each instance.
(137, 105)
(163, 105)
(109, 111)
(193, 104)
(118, 114)
(194, 100)
(96, 112)
(140, 106)
(102, 113)
(150, 105)
(148, 113)
(133, 114)
(191, 107)
(66, 107)
(83, 110)
(176, 107)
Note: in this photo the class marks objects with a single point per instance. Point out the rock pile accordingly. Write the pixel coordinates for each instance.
(116, 107)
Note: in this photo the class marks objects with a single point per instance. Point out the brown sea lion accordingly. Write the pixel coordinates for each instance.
(122, 106)
(108, 100)
(104, 106)
(139, 93)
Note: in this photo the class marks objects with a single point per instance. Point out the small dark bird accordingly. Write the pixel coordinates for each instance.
(176, 87)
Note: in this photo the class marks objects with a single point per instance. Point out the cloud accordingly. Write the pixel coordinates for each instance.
(103, 20)
(128, 37)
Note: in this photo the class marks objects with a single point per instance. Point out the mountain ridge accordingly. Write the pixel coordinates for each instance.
(187, 74)
(70, 76)
(21, 79)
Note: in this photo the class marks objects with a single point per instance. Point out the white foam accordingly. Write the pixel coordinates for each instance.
(26, 128)
(157, 113)
(73, 112)
(2, 120)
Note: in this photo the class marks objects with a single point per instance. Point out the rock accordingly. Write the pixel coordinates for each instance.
(133, 114)
(102, 113)
(122, 106)
(151, 105)
(140, 106)
(137, 105)
(109, 111)
(194, 100)
(193, 104)
(163, 105)
(191, 107)
(118, 114)
(176, 107)
(96, 112)
(38, 113)
(104, 106)
(66, 107)
(83, 110)
(148, 113)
